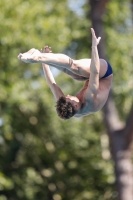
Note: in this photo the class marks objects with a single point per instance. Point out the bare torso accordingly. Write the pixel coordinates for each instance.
(91, 105)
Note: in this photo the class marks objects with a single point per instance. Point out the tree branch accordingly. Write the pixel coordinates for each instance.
(99, 7)
(110, 117)
(128, 131)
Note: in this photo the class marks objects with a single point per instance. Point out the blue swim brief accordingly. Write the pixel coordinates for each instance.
(109, 71)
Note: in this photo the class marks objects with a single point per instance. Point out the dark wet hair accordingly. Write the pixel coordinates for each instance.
(65, 110)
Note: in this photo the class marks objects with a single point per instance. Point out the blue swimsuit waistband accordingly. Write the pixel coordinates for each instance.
(109, 71)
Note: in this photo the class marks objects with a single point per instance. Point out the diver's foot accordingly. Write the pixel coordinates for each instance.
(31, 56)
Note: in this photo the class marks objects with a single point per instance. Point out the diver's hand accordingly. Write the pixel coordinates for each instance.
(95, 40)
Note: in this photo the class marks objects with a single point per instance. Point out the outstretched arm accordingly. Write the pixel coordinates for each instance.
(50, 79)
(94, 67)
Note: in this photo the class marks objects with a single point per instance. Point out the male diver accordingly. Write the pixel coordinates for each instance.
(97, 74)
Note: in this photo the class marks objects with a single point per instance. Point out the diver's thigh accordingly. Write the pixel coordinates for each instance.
(83, 66)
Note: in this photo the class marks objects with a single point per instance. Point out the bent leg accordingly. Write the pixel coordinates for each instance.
(78, 67)
(55, 60)
(47, 49)
(65, 64)
(71, 74)
(69, 66)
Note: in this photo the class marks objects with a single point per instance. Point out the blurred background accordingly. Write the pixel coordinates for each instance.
(41, 156)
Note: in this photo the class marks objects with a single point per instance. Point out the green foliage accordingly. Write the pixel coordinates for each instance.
(118, 27)
(42, 156)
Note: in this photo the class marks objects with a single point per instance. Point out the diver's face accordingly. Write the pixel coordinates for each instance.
(74, 101)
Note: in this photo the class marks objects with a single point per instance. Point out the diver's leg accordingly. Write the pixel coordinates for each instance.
(78, 67)
(47, 49)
